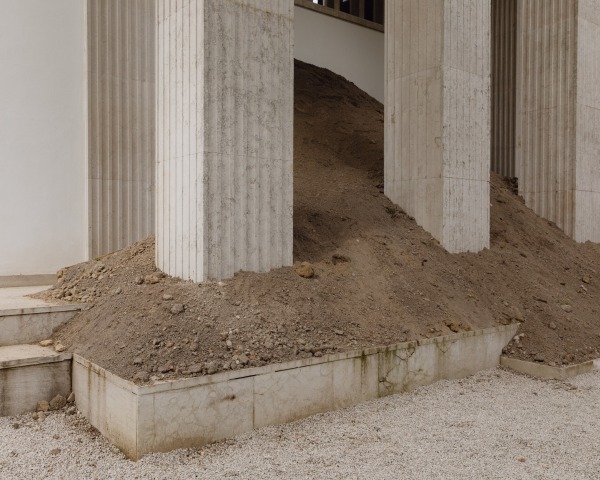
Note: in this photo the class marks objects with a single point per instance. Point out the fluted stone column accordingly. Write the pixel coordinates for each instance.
(558, 113)
(121, 118)
(504, 64)
(224, 150)
(437, 127)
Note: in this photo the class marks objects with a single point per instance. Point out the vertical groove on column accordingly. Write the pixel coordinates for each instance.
(225, 98)
(546, 108)
(504, 31)
(121, 51)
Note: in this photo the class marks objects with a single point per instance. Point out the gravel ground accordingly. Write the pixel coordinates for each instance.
(493, 425)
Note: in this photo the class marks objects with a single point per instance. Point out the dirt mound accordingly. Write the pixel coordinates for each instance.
(379, 278)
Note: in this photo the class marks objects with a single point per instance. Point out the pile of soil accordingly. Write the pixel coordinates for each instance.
(379, 278)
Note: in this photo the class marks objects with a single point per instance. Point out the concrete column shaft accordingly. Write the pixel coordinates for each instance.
(437, 127)
(558, 113)
(224, 150)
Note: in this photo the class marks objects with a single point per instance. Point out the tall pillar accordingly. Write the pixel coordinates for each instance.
(437, 127)
(558, 113)
(225, 137)
(121, 101)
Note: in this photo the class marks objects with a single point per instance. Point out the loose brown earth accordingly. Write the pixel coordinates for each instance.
(379, 278)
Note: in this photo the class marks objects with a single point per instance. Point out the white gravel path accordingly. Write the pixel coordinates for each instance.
(494, 425)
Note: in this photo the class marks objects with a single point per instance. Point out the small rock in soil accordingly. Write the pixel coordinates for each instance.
(453, 326)
(197, 368)
(71, 397)
(59, 348)
(305, 270)
(569, 358)
(46, 343)
(151, 279)
(567, 308)
(141, 377)
(167, 297)
(244, 359)
(177, 308)
(212, 368)
(42, 406)
(58, 402)
(552, 326)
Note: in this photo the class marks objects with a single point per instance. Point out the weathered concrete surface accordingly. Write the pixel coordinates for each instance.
(558, 119)
(197, 411)
(225, 137)
(108, 402)
(28, 374)
(30, 325)
(545, 371)
(437, 117)
(27, 320)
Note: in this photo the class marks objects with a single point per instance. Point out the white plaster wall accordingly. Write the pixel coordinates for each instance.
(42, 135)
(357, 53)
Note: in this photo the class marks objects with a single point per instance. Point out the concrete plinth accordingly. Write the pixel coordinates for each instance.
(558, 113)
(539, 370)
(28, 374)
(193, 412)
(437, 117)
(225, 125)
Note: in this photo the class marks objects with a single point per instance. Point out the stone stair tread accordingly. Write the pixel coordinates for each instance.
(22, 355)
(41, 309)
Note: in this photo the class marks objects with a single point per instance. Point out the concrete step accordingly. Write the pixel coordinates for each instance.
(27, 320)
(29, 374)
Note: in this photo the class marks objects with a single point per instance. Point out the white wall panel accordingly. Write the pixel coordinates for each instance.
(42, 136)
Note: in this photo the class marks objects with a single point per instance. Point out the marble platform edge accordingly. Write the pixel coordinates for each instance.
(9, 312)
(548, 372)
(29, 361)
(171, 385)
(185, 383)
(193, 412)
